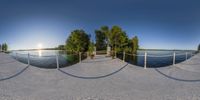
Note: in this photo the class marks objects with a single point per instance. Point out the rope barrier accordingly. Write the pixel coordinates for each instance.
(160, 56)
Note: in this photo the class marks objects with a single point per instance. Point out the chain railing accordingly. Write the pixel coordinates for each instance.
(31, 59)
(146, 55)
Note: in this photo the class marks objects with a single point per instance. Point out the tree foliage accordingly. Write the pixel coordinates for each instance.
(100, 40)
(4, 47)
(135, 42)
(91, 48)
(114, 37)
(61, 47)
(119, 38)
(199, 47)
(78, 41)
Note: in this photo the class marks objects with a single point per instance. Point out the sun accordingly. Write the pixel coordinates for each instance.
(39, 46)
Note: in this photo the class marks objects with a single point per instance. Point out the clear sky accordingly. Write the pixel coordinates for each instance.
(159, 24)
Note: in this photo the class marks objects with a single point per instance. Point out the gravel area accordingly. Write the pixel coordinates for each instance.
(100, 79)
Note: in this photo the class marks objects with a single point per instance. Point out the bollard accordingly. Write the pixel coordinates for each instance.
(57, 61)
(124, 54)
(80, 57)
(145, 60)
(28, 59)
(174, 58)
(186, 56)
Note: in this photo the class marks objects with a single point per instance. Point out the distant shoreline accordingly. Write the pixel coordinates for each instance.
(165, 50)
(138, 50)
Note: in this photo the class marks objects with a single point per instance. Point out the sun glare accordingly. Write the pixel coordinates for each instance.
(39, 46)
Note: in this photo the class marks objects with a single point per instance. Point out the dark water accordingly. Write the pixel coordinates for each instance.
(156, 58)
(47, 58)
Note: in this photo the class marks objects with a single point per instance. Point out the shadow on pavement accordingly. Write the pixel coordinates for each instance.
(95, 77)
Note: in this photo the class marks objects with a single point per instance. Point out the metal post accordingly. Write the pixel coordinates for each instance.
(95, 51)
(87, 54)
(80, 57)
(115, 54)
(16, 56)
(28, 59)
(57, 61)
(186, 56)
(174, 58)
(145, 60)
(124, 54)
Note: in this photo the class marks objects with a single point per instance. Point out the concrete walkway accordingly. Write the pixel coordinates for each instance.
(102, 79)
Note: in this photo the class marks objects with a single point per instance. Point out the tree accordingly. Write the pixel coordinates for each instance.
(91, 48)
(135, 44)
(78, 41)
(114, 37)
(61, 47)
(4, 47)
(199, 47)
(100, 40)
(105, 30)
(119, 39)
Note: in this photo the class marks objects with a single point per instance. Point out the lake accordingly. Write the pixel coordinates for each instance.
(47, 58)
(157, 58)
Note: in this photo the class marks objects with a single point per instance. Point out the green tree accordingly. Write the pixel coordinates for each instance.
(105, 30)
(4, 47)
(91, 48)
(115, 37)
(119, 39)
(78, 41)
(100, 40)
(61, 47)
(199, 47)
(135, 44)
(0, 48)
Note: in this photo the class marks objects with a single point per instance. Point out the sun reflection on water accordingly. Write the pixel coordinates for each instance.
(40, 53)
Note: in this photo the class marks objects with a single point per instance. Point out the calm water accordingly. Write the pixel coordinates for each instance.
(47, 58)
(157, 58)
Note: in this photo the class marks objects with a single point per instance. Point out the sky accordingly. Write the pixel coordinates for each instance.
(159, 24)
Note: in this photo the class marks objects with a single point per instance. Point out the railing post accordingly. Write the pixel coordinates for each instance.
(145, 60)
(57, 61)
(186, 56)
(87, 54)
(80, 57)
(16, 55)
(124, 54)
(174, 58)
(28, 59)
(115, 54)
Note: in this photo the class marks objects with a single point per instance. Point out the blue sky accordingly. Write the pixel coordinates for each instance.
(159, 24)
